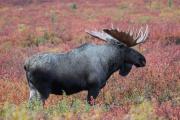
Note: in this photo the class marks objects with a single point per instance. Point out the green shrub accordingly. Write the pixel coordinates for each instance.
(62, 106)
(170, 3)
(165, 96)
(155, 5)
(144, 19)
(87, 107)
(34, 105)
(47, 37)
(40, 40)
(135, 96)
(22, 27)
(13, 112)
(76, 106)
(73, 6)
(143, 111)
(53, 17)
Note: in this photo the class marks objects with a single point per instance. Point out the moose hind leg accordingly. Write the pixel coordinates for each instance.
(35, 97)
(33, 94)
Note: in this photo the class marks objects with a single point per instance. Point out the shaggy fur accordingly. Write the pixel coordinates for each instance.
(87, 67)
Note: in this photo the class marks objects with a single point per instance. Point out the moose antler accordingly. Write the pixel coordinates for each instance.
(129, 38)
(102, 35)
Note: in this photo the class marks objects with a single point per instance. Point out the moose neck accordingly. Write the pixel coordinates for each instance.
(115, 57)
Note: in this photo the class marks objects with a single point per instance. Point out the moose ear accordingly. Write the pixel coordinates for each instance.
(125, 69)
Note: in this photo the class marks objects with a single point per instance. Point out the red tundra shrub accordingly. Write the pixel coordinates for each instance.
(57, 26)
(168, 110)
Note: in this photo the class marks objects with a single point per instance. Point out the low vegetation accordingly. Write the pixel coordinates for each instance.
(149, 93)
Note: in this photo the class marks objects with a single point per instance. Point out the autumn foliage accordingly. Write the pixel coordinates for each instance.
(31, 26)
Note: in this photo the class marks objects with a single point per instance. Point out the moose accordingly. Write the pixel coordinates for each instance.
(87, 67)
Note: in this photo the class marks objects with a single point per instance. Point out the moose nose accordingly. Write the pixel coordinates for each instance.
(143, 63)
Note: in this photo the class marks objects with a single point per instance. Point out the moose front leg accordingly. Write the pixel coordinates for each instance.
(92, 95)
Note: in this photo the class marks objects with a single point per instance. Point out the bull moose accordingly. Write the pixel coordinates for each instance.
(87, 67)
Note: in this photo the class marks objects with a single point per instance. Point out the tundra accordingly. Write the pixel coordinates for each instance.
(87, 67)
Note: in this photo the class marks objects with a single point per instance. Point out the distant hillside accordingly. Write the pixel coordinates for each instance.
(23, 2)
(27, 2)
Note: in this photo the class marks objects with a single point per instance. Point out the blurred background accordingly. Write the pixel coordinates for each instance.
(31, 26)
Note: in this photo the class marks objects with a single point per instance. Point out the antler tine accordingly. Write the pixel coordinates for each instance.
(139, 40)
(146, 33)
(138, 34)
(143, 36)
(135, 34)
(131, 32)
(112, 26)
(128, 30)
(118, 29)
